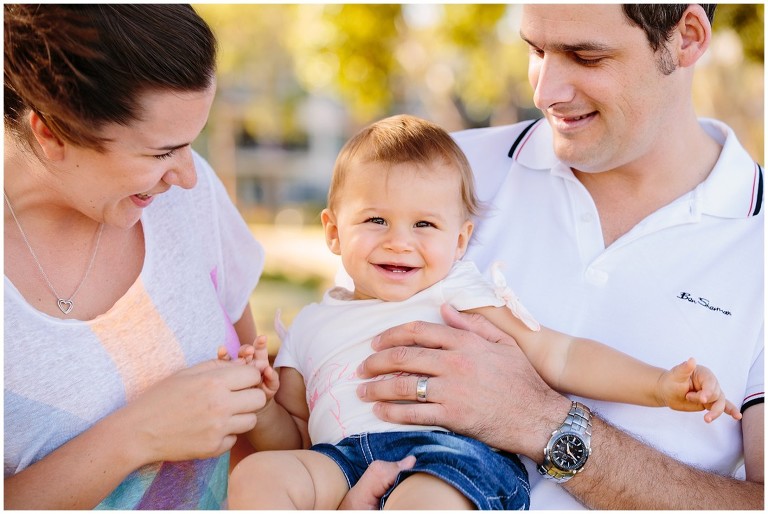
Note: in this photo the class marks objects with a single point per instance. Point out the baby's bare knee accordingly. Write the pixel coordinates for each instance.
(249, 480)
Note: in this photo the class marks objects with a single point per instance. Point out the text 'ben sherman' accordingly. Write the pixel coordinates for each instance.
(703, 302)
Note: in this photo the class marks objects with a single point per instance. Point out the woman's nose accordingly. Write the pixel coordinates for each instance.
(182, 170)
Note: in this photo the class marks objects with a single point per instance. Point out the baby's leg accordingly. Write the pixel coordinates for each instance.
(422, 491)
(297, 479)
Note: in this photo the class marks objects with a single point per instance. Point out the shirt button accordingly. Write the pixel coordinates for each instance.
(596, 276)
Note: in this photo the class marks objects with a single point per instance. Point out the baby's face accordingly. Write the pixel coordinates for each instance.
(399, 228)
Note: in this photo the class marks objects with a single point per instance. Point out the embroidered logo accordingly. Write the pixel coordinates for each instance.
(703, 302)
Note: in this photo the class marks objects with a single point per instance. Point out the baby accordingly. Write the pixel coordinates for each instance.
(400, 211)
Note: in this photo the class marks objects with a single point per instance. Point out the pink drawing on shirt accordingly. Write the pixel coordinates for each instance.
(231, 341)
(332, 373)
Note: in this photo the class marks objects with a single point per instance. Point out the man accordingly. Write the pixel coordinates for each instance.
(623, 218)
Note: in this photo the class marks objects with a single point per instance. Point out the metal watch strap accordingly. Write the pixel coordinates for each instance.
(578, 422)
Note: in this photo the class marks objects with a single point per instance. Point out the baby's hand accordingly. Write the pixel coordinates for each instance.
(257, 355)
(244, 354)
(688, 387)
(270, 380)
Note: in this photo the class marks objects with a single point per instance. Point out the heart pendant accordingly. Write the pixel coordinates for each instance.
(65, 305)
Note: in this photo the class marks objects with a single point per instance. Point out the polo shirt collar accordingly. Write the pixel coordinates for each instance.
(535, 149)
(733, 188)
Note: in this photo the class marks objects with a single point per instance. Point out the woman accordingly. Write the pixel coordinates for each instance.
(119, 286)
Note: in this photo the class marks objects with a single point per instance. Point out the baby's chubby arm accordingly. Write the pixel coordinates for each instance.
(282, 422)
(593, 370)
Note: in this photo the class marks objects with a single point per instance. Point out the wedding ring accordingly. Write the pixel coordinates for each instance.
(421, 389)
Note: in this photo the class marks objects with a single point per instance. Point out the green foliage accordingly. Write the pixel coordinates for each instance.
(473, 25)
(748, 22)
(347, 49)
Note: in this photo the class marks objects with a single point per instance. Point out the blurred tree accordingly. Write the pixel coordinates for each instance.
(347, 50)
(747, 21)
(460, 65)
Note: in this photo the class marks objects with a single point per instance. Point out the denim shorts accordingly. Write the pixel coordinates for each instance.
(491, 479)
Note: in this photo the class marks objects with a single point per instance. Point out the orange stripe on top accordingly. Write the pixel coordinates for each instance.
(144, 350)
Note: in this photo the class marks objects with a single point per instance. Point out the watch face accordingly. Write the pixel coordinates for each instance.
(568, 452)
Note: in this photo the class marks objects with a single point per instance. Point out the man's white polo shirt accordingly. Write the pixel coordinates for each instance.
(685, 282)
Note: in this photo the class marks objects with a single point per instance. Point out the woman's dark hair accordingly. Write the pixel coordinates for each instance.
(658, 20)
(81, 67)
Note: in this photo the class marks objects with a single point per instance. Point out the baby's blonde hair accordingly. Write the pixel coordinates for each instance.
(404, 139)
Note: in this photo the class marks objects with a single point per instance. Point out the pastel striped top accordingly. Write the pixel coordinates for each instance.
(201, 265)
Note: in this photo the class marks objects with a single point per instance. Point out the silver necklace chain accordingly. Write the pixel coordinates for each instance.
(65, 305)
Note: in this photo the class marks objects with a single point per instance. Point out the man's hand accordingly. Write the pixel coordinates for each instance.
(476, 387)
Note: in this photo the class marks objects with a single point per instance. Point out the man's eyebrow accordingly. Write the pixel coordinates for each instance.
(170, 148)
(583, 46)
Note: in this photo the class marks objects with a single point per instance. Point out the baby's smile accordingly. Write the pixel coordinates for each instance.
(395, 268)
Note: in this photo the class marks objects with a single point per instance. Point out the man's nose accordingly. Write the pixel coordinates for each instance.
(552, 81)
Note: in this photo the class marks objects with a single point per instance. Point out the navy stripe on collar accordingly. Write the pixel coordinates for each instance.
(759, 200)
(520, 138)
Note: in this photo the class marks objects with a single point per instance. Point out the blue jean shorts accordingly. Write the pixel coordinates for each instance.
(492, 480)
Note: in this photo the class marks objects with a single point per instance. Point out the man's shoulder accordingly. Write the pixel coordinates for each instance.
(492, 134)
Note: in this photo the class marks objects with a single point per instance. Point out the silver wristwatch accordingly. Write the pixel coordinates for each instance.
(569, 447)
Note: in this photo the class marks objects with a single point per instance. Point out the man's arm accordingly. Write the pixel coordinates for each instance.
(650, 479)
(491, 392)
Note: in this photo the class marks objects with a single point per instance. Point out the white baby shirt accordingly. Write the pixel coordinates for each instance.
(328, 340)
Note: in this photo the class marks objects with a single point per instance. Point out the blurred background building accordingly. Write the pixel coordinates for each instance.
(296, 81)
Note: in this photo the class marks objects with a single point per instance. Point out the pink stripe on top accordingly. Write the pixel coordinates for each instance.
(143, 355)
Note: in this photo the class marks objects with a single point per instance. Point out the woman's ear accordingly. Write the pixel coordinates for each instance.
(50, 144)
(695, 33)
(463, 241)
(331, 231)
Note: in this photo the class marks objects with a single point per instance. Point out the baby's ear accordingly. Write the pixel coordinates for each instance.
(331, 231)
(463, 241)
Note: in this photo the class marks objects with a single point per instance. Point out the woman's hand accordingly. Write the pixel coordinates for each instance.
(193, 414)
(257, 355)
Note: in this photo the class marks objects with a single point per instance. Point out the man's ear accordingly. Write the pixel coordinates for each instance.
(331, 231)
(50, 144)
(464, 235)
(695, 33)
